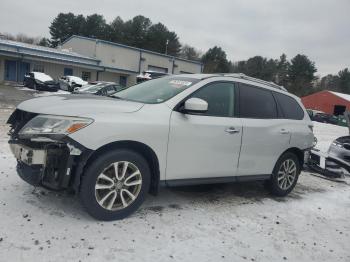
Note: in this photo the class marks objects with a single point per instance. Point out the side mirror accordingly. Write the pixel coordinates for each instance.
(196, 105)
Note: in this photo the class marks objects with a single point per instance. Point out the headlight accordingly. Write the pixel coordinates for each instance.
(49, 124)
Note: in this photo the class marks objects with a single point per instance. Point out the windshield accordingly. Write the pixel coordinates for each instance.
(157, 90)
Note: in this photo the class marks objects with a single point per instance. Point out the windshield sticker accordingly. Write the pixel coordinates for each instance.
(180, 83)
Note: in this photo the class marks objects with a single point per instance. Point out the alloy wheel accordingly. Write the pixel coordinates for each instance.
(118, 185)
(287, 174)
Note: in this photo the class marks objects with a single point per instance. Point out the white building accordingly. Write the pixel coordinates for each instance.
(90, 59)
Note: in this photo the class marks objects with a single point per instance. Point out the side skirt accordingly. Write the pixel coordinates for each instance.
(212, 180)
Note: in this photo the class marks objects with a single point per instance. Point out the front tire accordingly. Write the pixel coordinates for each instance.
(285, 175)
(115, 185)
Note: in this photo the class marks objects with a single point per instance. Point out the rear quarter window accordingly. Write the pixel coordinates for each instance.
(289, 107)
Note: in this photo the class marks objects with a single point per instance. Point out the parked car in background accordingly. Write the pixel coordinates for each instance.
(40, 81)
(175, 130)
(341, 120)
(148, 75)
(313, 112)
(319, 116)
(99, 88)
(68, 83)
(325, 118)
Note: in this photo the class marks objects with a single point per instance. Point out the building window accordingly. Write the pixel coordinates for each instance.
(38, 68)
(86, 76)
(68, 71)
(123, 80)
(158, 69)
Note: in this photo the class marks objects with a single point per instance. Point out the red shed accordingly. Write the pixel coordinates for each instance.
(330, 102)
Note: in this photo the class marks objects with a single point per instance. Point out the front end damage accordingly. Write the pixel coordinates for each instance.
(53, 161)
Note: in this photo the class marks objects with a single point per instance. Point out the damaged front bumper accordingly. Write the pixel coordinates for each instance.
(53, 161)
(53, 164)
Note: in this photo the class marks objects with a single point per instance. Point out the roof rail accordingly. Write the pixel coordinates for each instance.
(256, 80)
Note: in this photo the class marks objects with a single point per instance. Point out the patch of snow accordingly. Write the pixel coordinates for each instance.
(42, 77)
(344, 96)
(23, 88)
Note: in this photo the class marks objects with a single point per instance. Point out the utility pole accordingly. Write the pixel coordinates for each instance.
(166, 46)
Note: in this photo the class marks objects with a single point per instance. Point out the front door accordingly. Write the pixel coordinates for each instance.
(24, 68)
(205, 145)
(10, 70)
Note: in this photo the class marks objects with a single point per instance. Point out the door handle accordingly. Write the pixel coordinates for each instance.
(231, 130)
(284, 131)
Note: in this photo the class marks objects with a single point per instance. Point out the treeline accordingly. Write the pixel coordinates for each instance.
(23, 38)
(339, 82)
(138, 31)
(296, 74)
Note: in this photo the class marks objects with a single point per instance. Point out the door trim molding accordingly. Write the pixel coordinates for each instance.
(213, 180)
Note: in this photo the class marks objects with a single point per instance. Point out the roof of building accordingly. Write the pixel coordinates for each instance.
(130, 47)
(341, 95)
(17, 48)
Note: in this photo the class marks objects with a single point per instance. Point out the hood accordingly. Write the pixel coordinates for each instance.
(78, 105)
(42, 77)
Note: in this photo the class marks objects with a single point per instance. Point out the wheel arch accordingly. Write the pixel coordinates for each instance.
(141, 148)
(298, 152)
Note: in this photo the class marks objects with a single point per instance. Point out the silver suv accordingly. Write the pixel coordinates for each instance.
(176, 130)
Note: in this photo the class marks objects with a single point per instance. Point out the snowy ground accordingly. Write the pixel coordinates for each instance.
(231, 222)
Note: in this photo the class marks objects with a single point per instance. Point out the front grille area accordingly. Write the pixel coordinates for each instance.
(17, 120)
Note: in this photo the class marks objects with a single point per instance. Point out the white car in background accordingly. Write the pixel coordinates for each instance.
(175, 130)
(68, 83)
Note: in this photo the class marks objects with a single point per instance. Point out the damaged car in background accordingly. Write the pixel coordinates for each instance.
(170, 131)
(335, 162)
(69, 83)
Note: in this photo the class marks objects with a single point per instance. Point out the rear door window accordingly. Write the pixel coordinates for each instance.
(290, 108)
(256, 102)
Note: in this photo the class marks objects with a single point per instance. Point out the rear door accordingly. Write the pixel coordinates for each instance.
(206, 145)
(265, 135)
(297, 121)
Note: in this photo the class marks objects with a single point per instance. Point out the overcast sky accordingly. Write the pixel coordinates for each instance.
(318, 28)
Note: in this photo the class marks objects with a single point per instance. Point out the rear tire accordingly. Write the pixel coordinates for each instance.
(115, 184)
(285, 175)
